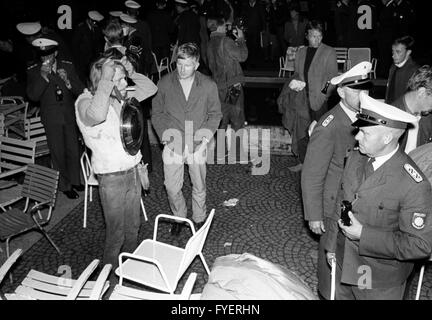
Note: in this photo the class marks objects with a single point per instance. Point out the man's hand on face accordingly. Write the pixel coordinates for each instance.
(108, 70)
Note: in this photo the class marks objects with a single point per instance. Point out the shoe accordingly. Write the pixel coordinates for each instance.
(78, 188)
(71, 194)
(296, 168)
(176, 229)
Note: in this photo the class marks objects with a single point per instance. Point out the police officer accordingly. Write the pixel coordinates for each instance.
(144, 33)
(55, 84)
(323, 165)
(390, 221)
(88, 43)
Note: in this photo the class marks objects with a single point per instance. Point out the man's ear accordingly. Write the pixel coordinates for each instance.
(197, 65)
(56, 53)
(341, 92)
(409, 52)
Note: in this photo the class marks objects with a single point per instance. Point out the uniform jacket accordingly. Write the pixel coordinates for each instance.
(387, 204)
(295, 37)
(405, 72)
(189, 27)
(38, 89)
(425, 126)
(87, 45)
(322, 169)
(171, 110)
(323, 67)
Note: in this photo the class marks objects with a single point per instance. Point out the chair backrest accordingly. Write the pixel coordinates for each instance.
(9, 262)
(87, 170)
(357, 55)
(341, 54)
(374, 62)
(41, 286)
(40, 184)
(34, 129)
(2, 125)
(194, 245)
(15, 154)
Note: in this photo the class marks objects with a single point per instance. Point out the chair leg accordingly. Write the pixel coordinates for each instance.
(7, 257)
(50, 240)
(91, 193)
(85, 206)
(419, 285)
(143, 210)
(204, 263)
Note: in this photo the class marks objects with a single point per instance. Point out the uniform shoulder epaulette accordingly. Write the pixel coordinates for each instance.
(327, 120)
(32, 66)
(413, 173)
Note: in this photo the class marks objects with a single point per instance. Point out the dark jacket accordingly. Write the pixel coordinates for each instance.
(39, 90)
(189, 27)
(397, 87)
(322, 68)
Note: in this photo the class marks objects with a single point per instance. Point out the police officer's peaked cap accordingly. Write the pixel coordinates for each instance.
(116, 13)
(29, 28)
(377, 113)
(95, 15)
(358, 77)
(132, 4)
(45, 46)
(127, 18)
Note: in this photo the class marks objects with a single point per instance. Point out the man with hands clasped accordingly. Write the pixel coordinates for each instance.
(186, 114)
(391, 211)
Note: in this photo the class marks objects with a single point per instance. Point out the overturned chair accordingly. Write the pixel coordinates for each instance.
(160, 265)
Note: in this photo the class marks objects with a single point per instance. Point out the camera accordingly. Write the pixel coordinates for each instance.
(59, 93)
(231, 29)
(346, 207)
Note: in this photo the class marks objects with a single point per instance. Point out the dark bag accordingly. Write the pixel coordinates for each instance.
(232, 95)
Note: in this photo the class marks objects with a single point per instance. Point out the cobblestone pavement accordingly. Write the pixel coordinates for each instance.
(266, 222)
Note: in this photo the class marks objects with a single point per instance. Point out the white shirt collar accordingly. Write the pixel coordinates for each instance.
(400, 65)
(379, 161)
(351, 114)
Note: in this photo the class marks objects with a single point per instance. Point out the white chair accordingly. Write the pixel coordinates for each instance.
(126, 293)
(90, 181)
(8, 263)
(162, 66)
(41, 286)
(374, 62)
(420, 281)
(160, 265)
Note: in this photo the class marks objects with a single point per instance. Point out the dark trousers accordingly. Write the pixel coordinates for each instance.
(63, 145)
(120, 198)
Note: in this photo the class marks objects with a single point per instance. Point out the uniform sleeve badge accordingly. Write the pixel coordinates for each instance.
(413, 173)
(418, 220)
(327, 120)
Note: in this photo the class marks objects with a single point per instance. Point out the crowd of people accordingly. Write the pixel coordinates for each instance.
(355, 152)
